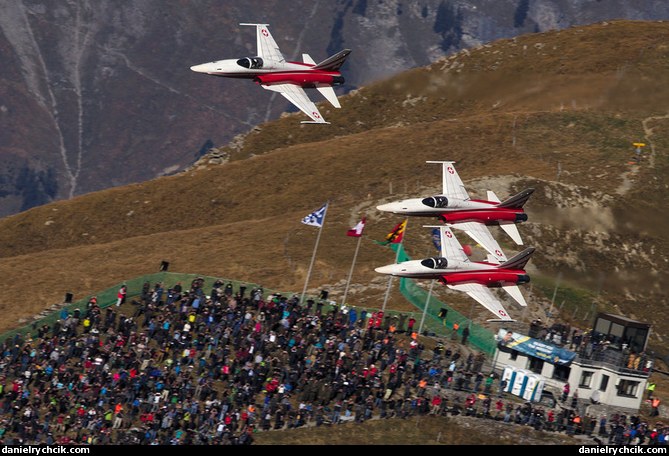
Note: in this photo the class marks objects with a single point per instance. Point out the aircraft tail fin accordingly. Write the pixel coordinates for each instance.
(330, 95)
(520, 260)
(517, 201)
(490, 258)
(512, 230)
(514, 291)
(334, 62)
(492, 197)
(327, 91)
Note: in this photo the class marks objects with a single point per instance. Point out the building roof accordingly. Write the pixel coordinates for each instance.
(625, 321)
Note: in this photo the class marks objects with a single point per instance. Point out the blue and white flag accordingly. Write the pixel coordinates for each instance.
(316, 217)
(436, 238)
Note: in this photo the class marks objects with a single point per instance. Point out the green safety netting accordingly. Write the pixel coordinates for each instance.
(479, 337)
(429, 321)
(108, 297)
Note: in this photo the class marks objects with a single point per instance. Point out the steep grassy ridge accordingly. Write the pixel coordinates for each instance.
(557, 111)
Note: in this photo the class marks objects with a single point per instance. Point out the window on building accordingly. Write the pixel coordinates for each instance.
(561, 372)
(628, 388)
(635, 338)
(586, 379)
(604, 383)
(536, 365)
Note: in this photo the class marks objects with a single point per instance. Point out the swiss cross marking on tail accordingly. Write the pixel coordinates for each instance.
(264, 32)
(450, 170)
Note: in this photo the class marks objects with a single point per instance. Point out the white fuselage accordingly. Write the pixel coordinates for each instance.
(232, 68)
(418, 206)
(416, 268)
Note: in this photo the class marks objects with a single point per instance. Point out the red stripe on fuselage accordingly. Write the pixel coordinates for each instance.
(487, 216)
(306, 79)
(493, 278)
(297, 77)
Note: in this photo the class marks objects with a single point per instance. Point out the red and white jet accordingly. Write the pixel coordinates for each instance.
(454, 269)
(458, 210)
(271, 70)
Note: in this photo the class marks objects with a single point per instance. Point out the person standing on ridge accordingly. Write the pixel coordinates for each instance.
(565, 392)
(465, 335)
(121, 295)
(650, 389)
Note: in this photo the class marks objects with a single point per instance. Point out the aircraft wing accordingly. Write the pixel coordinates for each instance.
(450, 181)
(450, 246)
(297, 96)
(266, 46)
(484, 296)
(512, 230)
(482, 235)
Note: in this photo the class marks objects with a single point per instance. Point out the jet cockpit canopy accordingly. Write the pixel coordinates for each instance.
(435, 263)
(252, 63)
(437, 202)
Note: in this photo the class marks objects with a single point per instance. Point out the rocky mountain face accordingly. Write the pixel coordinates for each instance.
(99, 94)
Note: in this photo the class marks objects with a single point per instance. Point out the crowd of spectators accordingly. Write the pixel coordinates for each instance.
(185, 365)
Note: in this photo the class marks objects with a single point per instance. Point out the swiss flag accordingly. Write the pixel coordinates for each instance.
(357, 230)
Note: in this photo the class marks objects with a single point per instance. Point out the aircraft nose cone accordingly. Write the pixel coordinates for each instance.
(386, 207)
(388, 269)
(198, 68)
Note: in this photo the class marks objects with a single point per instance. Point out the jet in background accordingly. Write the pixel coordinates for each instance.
(271, 71)
(455, 207)
(454, 269)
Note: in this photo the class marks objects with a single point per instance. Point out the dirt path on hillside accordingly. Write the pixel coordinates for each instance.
(627, 178)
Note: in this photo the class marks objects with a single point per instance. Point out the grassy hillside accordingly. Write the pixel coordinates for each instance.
(421, 430)
(558, 111)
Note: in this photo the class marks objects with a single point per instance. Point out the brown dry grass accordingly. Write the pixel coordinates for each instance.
(422, 430)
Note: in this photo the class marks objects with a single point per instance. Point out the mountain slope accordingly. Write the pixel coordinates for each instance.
(558, 111)
(99, 94)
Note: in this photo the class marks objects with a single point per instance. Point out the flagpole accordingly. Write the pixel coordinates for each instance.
(427, 302)
(350, 273)
(313, 255)
(397, 258)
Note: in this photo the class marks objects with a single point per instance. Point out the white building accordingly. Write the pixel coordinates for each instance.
(610, 362)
